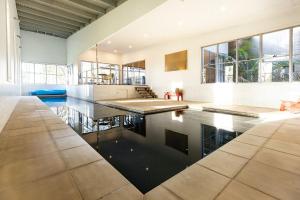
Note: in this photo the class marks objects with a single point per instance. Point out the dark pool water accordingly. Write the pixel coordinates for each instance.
(149, 149)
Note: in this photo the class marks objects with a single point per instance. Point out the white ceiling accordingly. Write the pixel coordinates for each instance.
(182, 18)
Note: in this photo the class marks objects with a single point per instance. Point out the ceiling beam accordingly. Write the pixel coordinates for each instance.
(108, 3)
(50, 10)
(86, 6)
(45, 15)
(47, 21)
(66, 8)
(50, 28)
(56, 26)
(27, 27)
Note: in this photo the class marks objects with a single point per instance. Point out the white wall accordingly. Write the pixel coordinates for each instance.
(102, 92)
(256, 94)
(9, 56)
(7, 105)
(103, 57)
(9, 49)
(107, 92)
(42, 48)
(84, 92)
(105, 26)
(45, 49)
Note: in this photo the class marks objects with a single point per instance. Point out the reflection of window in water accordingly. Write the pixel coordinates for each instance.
(213, 138)
(177, 141)
(109, 123)
(81, 123)
(135, 123)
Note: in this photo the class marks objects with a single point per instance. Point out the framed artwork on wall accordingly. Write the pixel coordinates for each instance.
(176, 61)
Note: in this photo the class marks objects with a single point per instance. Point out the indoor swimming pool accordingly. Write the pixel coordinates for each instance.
(149, 149)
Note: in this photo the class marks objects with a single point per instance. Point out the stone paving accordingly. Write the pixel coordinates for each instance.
(149, 106)
(145, 106)
(42, 158)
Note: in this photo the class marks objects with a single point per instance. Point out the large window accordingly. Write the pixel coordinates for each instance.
(28, 73)
(134, 73)
(43, 74)
(296, 54)
(226, 62)
(40, 76)
(275, 65)
(249, 58)
(105, 74)
(209, 56)
(219, 63)
(269, 57)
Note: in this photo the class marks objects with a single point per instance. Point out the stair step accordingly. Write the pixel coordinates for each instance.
(145, 92)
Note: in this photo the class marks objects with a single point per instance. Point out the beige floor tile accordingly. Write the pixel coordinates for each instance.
(280, 160)
(270, 180)
(128, 192)
(196, 182)
(54, 121)
(53, 127)
(239, 191)
(286, 147)
(27, 151)
(27, 139)
(59, 187)
(63, 133)
(30, 115)
(69, 142)
(264, 130)
(288, 133)
(80, 156)
(160, 193)
(24, 131)
(294, 121)
(251, 139)
(31, 118)
(30, 169)
(20, 124)
(46, 113)
(97, 180)
(49, 117)
(223, 163)
(240, 149)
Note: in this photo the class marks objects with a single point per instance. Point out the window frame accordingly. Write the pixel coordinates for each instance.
(46, 73)
(97, 67)
(260, 59)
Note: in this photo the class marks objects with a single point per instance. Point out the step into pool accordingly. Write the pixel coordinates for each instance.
(149, 149)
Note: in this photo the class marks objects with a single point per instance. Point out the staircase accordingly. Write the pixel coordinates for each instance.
(146, 92)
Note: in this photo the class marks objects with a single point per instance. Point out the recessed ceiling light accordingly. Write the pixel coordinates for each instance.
(180, 23)
(130, 46)
(108, 42)
(223, 8)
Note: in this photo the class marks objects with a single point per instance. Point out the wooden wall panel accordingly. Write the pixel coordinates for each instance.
(176, 61)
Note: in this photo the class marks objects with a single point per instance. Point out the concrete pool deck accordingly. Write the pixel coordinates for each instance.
(145, 106)
(149, 106)
(42, 158)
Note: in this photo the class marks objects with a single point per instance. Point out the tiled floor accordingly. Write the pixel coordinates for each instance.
(233, 109)
(42, 158)
(147, 106)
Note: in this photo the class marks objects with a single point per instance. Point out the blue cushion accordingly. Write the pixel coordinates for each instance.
(49, 92)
